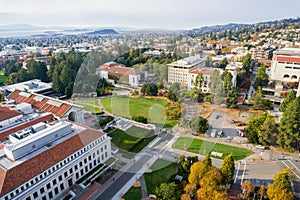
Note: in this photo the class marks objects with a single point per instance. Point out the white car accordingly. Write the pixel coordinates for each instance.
(260, 147)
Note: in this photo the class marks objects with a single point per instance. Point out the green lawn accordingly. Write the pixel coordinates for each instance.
(90, 105)
(135, 193)
(205, 147)
(133, 140)
(151, 108)
(162, 170)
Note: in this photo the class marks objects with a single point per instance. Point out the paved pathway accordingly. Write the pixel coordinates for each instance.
(143, 188)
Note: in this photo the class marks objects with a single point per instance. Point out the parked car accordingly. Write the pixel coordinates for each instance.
(260, 147)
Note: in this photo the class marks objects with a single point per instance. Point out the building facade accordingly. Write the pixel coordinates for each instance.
(286, 65)
(42, 161)
(178, 71)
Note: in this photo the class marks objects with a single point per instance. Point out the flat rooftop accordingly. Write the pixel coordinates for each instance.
(8, 164)
(189, 61)
(34, 85)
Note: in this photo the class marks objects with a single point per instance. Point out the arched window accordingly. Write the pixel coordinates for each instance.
(286, 76)
(294, 77)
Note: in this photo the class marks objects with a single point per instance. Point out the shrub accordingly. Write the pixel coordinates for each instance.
(141, 119)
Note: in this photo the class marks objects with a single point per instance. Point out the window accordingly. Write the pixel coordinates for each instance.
(80, 164)
(28, 198)
(27, 185)
(77, 176)
(56, 190)
(62, 187)
(60, 178)
(17, 191)
(48, 186)
(91, 165)
(44, 198)
(85, 161)
(54, 181)
(50, 195)
(22, 188)
(90, 157)
(6, 198)
(66, 174)
(71, 170)
(35, 195)
(76, 167)
(86, 169)
(81, 172)
(42, 190)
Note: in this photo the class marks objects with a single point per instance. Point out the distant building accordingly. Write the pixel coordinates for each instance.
(206, 73)
(43, 161)
(262, 52)
(164, 47)
(178, 70)
(120, 73)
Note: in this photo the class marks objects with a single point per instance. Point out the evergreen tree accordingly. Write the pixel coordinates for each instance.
(262, 77)
(228, 169)
(288, 136)
(289, 98)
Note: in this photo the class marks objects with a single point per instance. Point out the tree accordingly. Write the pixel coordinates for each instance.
(223, 63)
(166, 191)
(289, 98)
(215, 81)
(266, 131)
(262, 77)
(260, 129)
(207, 160)
(259, 103)
(199, 124)
(228, 169)
(197, 171)
(38, 70)
(262, 192)
(247, 189)
(247, 62)
(281, 188)
(141, 119)
(288, 136)
(199, 82)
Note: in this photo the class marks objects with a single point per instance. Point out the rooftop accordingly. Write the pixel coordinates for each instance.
(7, 113)
(34, 85)
(189, 61)
(15, 173)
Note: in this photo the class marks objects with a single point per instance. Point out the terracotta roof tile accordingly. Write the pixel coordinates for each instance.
(40, 105)
(23, 172)
(288, 59)
(6, 113)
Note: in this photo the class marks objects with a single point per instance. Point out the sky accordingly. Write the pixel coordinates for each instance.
(167, 14)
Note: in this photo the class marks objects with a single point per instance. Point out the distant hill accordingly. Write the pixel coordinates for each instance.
(233, 26)
(104, 32)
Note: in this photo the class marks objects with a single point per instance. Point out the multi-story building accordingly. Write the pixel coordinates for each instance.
(262, 52)
(43, 161)
(178, 70)
(286, 65)
(118, 72)
(206, 73)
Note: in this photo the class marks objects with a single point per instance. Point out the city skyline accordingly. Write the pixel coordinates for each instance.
(155, 14)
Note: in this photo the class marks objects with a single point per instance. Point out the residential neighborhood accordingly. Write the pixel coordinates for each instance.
(197, 111)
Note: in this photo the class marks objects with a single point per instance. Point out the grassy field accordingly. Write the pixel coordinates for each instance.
(134, 193)
(133, 140)
(90, 105)
(205, 147)
(162, 170)
(151, 108)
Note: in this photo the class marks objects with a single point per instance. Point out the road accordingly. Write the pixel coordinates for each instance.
(118, 184)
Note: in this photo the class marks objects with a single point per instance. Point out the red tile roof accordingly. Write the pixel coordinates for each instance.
(122, 70)
(40, 105)
(4, 134)
(6, 113)
(288, 59)
(204, 72)
(14, 177)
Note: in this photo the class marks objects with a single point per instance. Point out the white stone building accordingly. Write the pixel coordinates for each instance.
(43, 161)
(178, 71)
